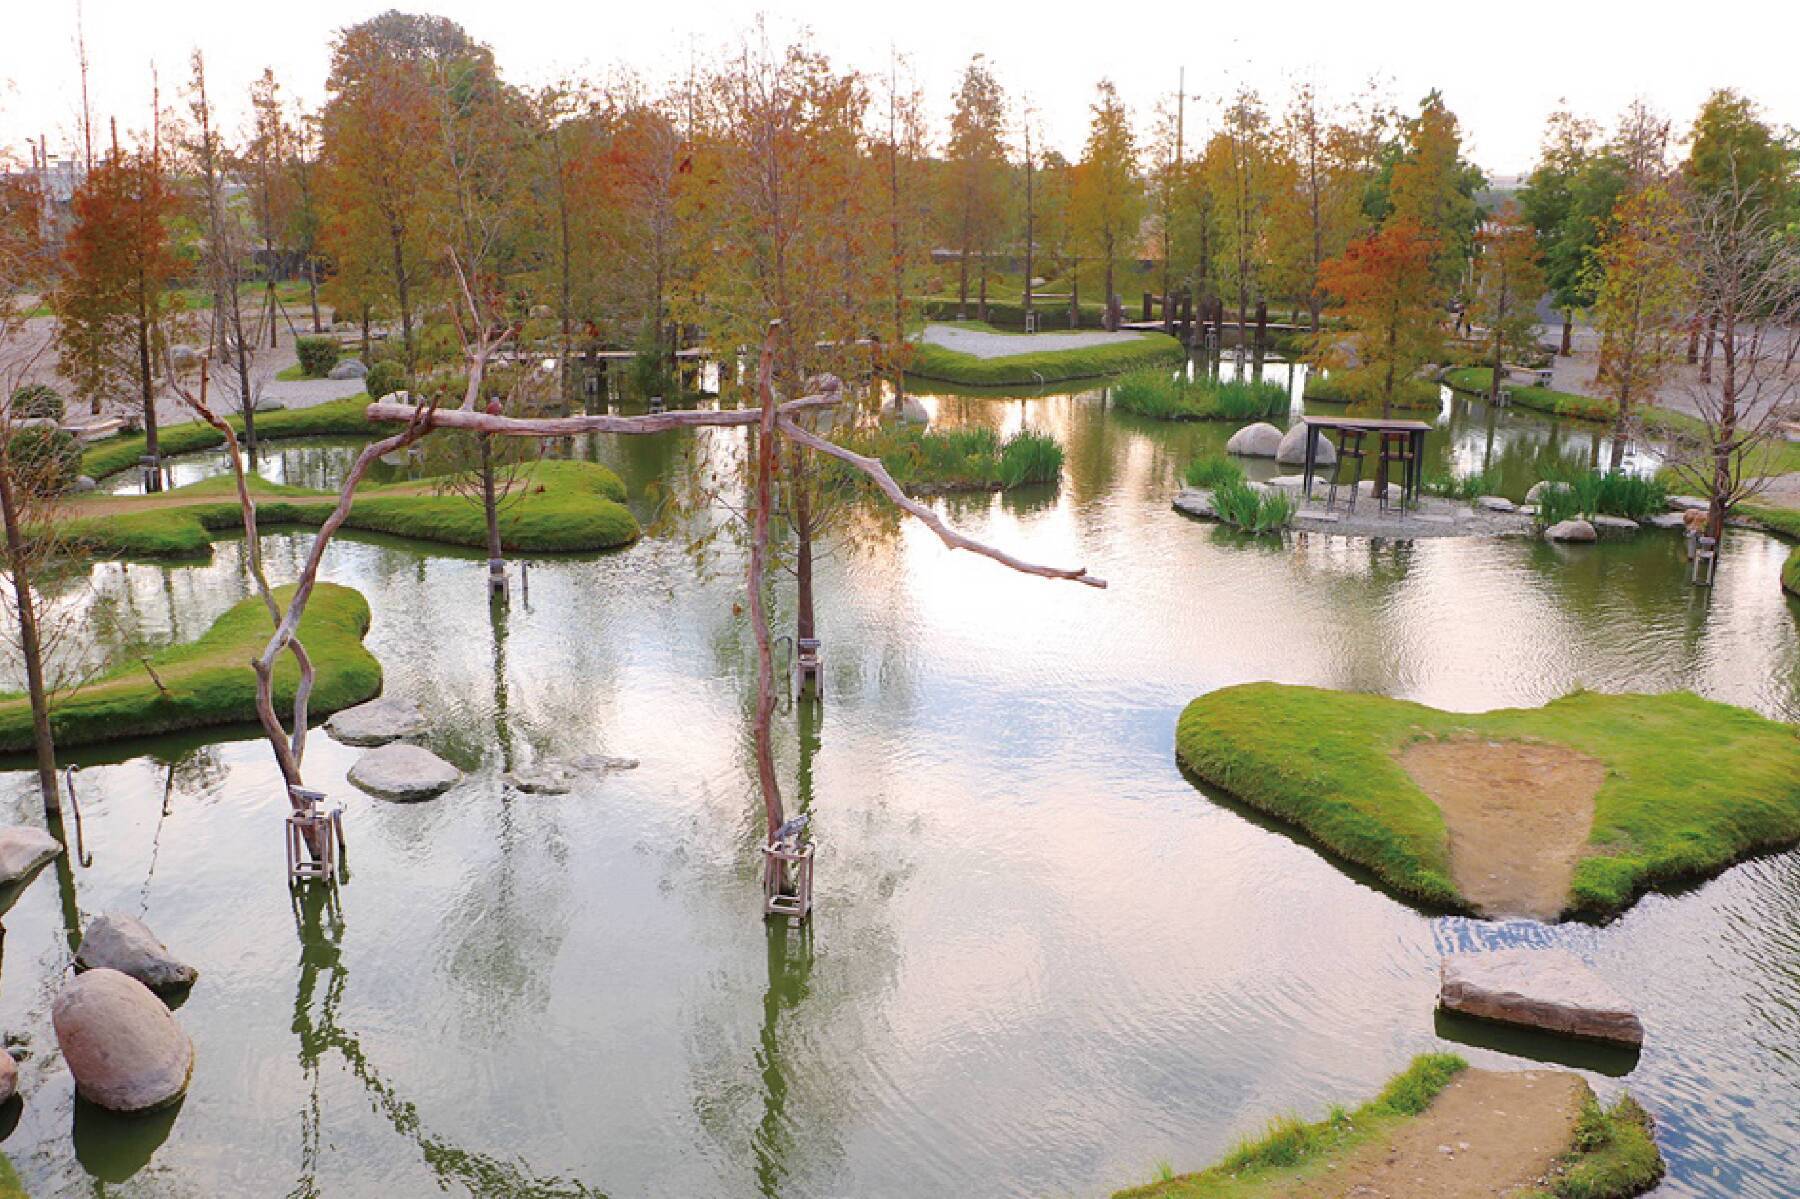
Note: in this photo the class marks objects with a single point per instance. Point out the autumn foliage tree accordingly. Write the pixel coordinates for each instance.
(1508, 284)
(119, 266)
(1383, 289)
(1642, 295)
(974, 204)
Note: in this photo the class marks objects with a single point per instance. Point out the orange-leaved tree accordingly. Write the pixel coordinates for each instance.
(1641, 299)
(1382, 289)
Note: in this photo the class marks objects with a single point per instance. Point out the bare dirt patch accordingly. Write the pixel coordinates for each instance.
(1518, 813)
(1489, 1133)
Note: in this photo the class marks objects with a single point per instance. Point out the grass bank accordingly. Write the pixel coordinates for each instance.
(209, 681)
(1691, 785)
(564, 507)
(1292, 1149)
(335, 419)
(1030, 366)
(1475, 380)
(1161, 394)
(1411, 394)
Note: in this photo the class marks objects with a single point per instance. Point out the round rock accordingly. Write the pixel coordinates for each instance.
(403, 772)
(1570, 530)
(123, 1047)
(23, 850)
(377, 722)
(1496, 503)
(1292, 450)
(1260, 440)
(349, 368)
(116, 941)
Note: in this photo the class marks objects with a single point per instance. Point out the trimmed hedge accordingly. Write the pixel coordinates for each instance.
(317, 355)
(209, 681)
(1042, 366)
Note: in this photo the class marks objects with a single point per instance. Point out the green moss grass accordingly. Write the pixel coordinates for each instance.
(1474, 380)
(565, 507)
(1041, 366)
(209, 681)
(1410, 394)
(1161, 394)
(1292, 1150)
(1691, 785)
(965, 459)
(1614, 1155)
(338, 418)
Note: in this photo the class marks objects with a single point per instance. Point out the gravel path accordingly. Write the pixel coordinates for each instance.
(1004, 345)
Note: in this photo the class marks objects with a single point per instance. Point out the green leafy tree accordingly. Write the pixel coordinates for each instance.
(1642, 292)
(1107, 200)
(1508, 285)
(974, 203)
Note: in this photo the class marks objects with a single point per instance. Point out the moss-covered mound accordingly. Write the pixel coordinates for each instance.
(1691, 785)
(561, 507)
(209, 681)
(1030, 366)
(1423, 394)
(339, 418)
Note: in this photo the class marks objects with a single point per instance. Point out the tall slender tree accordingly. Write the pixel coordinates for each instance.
(974, 205)
(1106, 202)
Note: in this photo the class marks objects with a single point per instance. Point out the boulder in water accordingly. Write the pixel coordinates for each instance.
(125, 1050)
(1571, 530)
(1550, 989)
(1292, 450)
(116, 941)
(1260, 440)
(403, 772)
(23, 850)
(377, 722)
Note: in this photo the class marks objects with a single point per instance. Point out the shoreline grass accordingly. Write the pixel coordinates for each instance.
(1164, 395)
(1290, 1149)
(1474, 380)
(931, 461)
(1411, 394)
(565, 507)
(1040, 366)
(208, 681)
(1692, 786)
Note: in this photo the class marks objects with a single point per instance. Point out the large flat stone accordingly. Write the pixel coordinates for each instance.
(404, 772)
(377, 722)
(1687, 503)
(23, 850)
(1550, 989)
(125, 1050)
(122, 942)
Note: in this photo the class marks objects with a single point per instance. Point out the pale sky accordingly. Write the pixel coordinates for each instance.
(1503, 68)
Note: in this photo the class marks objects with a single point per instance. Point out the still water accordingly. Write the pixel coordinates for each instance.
(1043, 961)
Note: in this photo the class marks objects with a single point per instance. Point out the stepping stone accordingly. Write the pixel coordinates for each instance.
(1496, 503)
(604, 763)
(1432, 518)
(377, 722)
(1194, 501)
(23, 850)
(545, 778)
(1668, 520)
(404, 772)
(1550, 989)
(1571, 530)
(1259, 440)
(1290, 482)
(1604, 524)
(125, 1050)
(1687, 503)
(116, 941)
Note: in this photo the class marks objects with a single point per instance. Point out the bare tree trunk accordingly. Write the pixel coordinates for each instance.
(147, 387)
(491, 510)
(805, 627)
(759, 621)
(1568, 334)
(1706, 351)
(31, 647)
(312, 294)
(1494, 374)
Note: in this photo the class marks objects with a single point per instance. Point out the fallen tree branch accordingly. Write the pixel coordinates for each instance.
(873, 468)
(476, 421)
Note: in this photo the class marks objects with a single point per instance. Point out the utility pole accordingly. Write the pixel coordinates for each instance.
(87, 119)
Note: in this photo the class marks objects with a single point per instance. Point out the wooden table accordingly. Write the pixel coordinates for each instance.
(1415, 431)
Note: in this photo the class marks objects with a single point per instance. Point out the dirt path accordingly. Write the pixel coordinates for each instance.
(1489, 1133)
(1519, 815)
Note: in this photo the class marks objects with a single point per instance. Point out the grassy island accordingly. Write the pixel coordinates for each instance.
(934, 461)
(1408, 394)
(339, 418)
(1685, 786)
(564, 507)
(1610, 1152)
(1033, 364)
(1165, 395)
(209, 681)
(1474, 380)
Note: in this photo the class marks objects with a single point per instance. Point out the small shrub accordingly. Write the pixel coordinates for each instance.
(1030, 457)
(317, 355)
(1212, 471)
(1244, 399)
(1163, 395)
(37, 401)
(384, 378)
(45, 461)
(1462, 487)
(1611, 493)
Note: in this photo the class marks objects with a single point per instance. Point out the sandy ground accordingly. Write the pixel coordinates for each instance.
(1518, 813)
(303, 393)
(1002, 345)
(1489, 1133)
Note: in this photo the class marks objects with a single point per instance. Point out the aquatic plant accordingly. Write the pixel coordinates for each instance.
(1211, 471)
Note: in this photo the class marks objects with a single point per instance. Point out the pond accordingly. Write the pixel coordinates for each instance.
(1043, 961)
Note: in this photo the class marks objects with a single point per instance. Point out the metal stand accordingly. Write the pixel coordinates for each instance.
(657, 405)
(785, 857)
(152, 471)
(497, 578)
(807, 661)
(313, 820)
(1706, 559)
